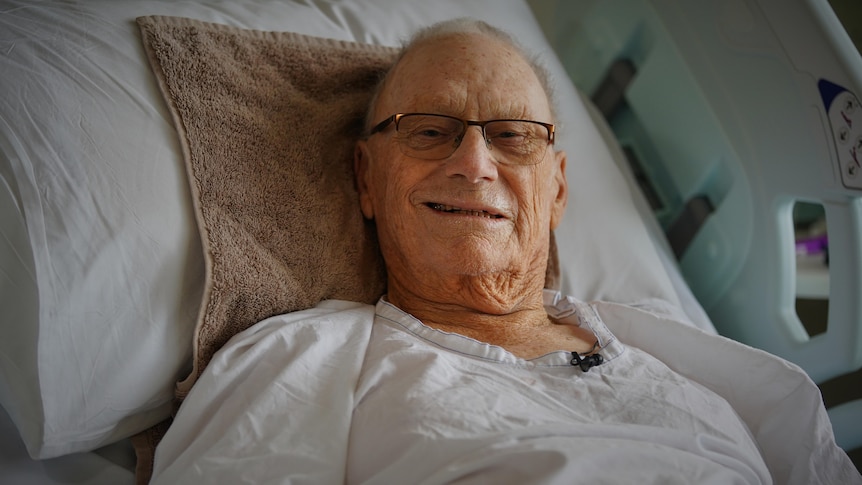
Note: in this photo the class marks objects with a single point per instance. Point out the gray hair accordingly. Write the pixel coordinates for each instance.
(461, 26)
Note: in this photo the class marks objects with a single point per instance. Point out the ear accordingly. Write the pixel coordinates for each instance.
(558, 206)
(361, 160)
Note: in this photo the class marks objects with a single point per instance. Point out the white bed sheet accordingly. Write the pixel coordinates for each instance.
(279, 399)
(113, 465)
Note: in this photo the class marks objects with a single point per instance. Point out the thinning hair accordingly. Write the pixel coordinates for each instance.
(463, 26)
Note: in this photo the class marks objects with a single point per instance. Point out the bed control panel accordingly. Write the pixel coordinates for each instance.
(845, 119)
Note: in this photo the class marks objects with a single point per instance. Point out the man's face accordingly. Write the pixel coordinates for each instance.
(466, 214)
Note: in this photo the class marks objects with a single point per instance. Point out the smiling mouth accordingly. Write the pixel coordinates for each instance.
(467, 212)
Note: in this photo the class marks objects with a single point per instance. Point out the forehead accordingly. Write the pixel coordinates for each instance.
(468, 75)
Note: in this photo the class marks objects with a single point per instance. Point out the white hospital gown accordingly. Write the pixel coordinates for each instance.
(327, 396)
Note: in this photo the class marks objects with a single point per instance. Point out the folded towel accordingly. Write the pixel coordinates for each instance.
(267, 123)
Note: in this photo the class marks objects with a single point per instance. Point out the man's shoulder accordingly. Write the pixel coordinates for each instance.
(327, 320)
(326, 311)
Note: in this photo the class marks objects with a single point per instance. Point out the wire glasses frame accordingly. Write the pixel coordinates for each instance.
(429, 136)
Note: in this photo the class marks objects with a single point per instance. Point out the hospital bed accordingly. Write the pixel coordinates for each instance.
(680, 196)
(737, 119)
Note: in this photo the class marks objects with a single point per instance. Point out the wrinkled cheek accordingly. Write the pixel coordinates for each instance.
(527, 242)
(395, 234)
(533, 228)
(533, 214)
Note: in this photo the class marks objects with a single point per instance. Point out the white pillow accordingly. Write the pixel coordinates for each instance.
(100, 265)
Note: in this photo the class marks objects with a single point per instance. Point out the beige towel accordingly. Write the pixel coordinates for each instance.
(267, 123)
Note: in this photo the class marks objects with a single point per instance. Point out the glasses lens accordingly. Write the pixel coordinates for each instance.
(519, 142)
(430, 137)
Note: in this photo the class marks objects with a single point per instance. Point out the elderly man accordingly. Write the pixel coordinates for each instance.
(467, 370)
(464, 193)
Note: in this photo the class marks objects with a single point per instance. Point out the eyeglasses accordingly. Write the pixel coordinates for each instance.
(435, 137)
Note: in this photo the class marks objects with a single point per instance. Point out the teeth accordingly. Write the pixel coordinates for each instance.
(458, 210)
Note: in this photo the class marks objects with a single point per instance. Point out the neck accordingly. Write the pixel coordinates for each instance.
(498, 310)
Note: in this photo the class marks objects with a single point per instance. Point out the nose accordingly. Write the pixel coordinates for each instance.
(473, 158)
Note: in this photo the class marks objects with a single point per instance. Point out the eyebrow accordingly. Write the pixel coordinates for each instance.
(501, 114)
(455, 104)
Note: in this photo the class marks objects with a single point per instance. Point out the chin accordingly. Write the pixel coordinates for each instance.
(479, 267)
(473, 261)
